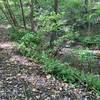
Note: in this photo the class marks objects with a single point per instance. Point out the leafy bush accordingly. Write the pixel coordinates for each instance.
(31, 44)
(66, 37)
(17, 35)
(51, 21)
(64, 71)
(87, 58)
(72, 36)
(67, 73)
(91, 40)
(59, 70)
(85, 55)
(30, 38)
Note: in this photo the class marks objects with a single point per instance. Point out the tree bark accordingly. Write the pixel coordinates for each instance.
(56, 6)
(7, 17)
(33, 23)
(86, 6)
(10, 12)
(22, 10)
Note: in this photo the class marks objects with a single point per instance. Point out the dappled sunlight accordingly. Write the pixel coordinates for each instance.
(7, 45)
(21, 60)
(5, 26)
(49, 50)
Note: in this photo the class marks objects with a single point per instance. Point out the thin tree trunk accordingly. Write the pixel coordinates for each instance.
(86, 6)
(54, 34)
(87, 12)
(36, 2)
(24, 22)
(10, 12)
(56, 6)
(7, 17)
(33, 23)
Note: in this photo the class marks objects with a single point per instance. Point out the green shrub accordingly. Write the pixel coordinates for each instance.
(88, 58)
(91, 40)
(51, 21)
(67, 73)
(54, 66)
(17, 35)
(30, 38)
(30, 44)
(66, 37)
(85, 55)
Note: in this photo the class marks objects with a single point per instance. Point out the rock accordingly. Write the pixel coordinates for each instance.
(48, 76)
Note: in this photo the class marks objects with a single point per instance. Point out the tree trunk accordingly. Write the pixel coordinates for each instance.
(24, 22)
(56, 6)
(10, 12)
(86, 6)
(7, 17)
(87, 12)
(33, 23)
(54, 34)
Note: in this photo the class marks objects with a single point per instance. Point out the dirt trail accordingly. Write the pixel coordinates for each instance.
(22, 79)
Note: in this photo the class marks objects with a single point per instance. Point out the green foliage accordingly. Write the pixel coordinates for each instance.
(61, 71)
(92, 81)
(91, 40)
(87, 57)
(17, 35)
(28, 47)
(29, 43)
(30, 38)
(51, 21)
(27, 39)
(2, 17)
(74, 36)
(67, 73)
(71, 36)
(76, 14)
(74, 4)
(71, 13)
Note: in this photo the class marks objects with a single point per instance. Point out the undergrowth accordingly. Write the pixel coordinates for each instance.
(29, 46)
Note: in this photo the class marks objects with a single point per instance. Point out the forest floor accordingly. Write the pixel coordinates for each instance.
(22, 79)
